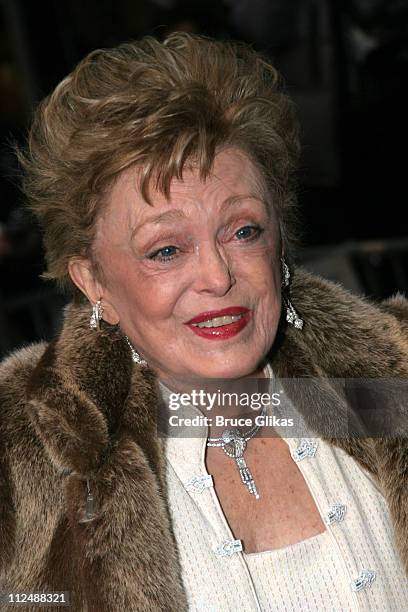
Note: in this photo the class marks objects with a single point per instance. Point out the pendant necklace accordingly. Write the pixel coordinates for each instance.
(233, 442)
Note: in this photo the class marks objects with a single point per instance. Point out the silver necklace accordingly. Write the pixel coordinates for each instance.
(234, 442)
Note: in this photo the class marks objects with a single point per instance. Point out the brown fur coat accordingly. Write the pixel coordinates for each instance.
(77, 408)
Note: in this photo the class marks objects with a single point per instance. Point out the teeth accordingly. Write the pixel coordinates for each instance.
(219, 321)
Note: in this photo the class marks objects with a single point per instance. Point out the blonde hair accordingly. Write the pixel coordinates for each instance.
(157, 105)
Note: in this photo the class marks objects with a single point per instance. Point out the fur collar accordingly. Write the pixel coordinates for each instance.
(88, 402)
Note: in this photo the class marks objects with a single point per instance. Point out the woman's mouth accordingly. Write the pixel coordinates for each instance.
(220, 324)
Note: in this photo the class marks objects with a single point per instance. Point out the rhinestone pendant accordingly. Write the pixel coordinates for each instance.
(234, 445)
(246, 476)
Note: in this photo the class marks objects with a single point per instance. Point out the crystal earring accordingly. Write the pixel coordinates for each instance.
(135, 355)
(97, 310)
(285, 273)
(292, 316)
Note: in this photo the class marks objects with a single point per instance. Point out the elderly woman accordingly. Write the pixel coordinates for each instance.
(162, 176)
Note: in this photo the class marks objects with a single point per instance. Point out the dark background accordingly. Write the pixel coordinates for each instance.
(345, 64)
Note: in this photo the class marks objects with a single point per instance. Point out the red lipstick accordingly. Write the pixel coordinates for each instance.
(222, 332)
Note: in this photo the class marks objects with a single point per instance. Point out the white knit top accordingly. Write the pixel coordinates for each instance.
(306, 576)
(351, 566)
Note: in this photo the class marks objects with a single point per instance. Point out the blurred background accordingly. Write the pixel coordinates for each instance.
(345, 64)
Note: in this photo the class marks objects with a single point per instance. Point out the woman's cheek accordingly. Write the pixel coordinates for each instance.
(159, 296)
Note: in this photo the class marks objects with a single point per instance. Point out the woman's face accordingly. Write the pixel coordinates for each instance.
(173, 269)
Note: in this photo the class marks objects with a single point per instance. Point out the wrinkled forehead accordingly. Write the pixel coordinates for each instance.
(232, 178)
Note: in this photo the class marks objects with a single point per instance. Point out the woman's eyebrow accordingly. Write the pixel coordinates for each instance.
(177, 214)
(165, 217)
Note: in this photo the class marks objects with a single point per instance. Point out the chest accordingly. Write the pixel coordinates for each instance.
(285, 512)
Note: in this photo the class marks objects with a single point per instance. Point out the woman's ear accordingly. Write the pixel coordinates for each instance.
(82, 273)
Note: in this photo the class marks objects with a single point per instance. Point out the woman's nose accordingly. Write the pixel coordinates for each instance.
(213, 272)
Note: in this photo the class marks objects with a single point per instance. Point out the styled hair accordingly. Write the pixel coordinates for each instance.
(157, 105)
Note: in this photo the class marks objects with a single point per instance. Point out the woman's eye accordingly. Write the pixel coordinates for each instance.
(164, 254)
(169, 252)
(248, 232)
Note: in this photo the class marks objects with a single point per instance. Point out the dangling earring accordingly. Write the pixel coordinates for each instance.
(285, 273)
(135, 355)
(97, 310)
(292, 316)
